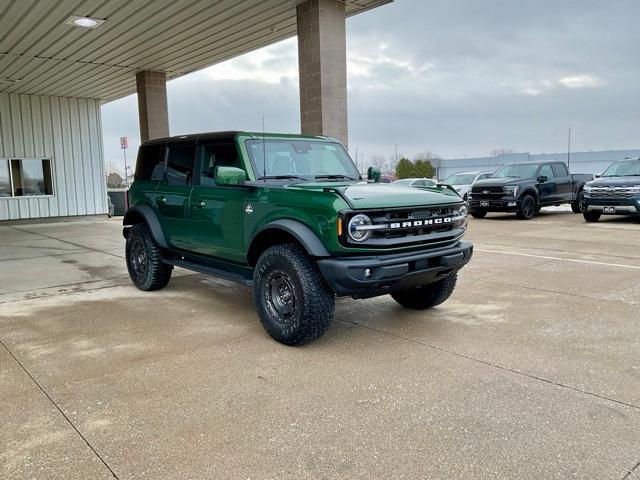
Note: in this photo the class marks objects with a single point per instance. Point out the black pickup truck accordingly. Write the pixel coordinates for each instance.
(524, 188)
(616, 192)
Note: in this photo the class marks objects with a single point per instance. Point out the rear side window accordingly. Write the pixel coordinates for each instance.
(560, 169)
(180, 164)
(150, 162)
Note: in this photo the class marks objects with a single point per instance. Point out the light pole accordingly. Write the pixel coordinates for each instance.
(569, 149)
(396, 153)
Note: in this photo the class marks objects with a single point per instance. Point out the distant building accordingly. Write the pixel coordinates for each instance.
(580, 162)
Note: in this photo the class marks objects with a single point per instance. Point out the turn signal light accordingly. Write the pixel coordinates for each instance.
(339, 227)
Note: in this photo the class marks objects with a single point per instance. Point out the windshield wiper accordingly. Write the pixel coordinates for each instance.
(336, 177)
(281, 177)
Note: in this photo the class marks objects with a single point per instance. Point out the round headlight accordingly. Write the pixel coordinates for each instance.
(356, 232)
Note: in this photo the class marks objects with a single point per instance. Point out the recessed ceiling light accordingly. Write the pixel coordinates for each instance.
(84, 22)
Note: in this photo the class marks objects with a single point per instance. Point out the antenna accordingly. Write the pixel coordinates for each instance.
(264, 155)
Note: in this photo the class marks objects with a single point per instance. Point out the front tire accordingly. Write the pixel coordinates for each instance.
(144, 260)
(478, 213)
(592, 216)
(294, 303)
(527, 208)
(578, 205)
(427, 296)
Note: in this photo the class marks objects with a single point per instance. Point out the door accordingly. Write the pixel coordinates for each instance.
(549, 188)
(564, 181)
(216, 215)
(172, 194)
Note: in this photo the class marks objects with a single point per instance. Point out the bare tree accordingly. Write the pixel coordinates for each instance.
(425, 155)
(379, 161)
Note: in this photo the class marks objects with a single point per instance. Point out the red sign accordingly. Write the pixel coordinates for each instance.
(124, 143)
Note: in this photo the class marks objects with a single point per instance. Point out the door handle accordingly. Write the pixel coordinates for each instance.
(202, 204)
(163, 199)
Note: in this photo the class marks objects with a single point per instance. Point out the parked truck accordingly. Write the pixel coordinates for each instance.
(615, 192)
(524, 188)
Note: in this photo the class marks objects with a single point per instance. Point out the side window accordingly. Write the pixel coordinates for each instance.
(419, 183)
(547, 171)
(180, 164)
(483, 176)
(216, 155)
(560, 169)
(150, 162)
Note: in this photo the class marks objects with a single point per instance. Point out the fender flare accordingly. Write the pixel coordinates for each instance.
(303, 234)
(150, 217)
(531, 190)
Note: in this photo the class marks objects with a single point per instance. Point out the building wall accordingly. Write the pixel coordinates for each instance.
(67, 130)
(581, 162)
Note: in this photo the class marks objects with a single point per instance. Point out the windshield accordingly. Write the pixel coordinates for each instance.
(301, 159)
(460, 179)
(624, 168)
(517, 170)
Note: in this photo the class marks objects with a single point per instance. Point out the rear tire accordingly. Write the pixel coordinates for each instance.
(478, 213)
(592, 216)
(528, 207)
(427, 296)
(578, 205)
(144, 260)
(294, 303)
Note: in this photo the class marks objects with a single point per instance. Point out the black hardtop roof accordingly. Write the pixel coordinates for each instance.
(229, 136)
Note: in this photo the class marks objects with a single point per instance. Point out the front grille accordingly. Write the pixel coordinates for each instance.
(611, 192)
(487, 193)
(407, 227)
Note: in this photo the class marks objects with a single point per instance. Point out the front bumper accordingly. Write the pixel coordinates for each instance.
(389, 273)
(622, 206)
(500, 204)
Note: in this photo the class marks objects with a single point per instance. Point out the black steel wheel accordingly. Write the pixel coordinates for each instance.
(528, 207)
(144, 260)
(294, 303)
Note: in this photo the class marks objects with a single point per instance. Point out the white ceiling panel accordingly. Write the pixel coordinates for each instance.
(40, 54)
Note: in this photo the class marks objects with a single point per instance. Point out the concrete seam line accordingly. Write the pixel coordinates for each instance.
(59, 409)
(628, 475)
(91, 249)
(590, 262)
(485, 362)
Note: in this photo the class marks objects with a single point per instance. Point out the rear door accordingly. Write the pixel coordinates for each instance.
(216, 213)
(565, 182)
(549, 188)
(172, 194)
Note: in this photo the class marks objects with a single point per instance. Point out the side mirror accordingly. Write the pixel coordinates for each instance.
(597, 175)
(373, 174)
(230, 176)
(542, 179)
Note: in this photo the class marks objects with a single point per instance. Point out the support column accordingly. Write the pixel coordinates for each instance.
(152, 105)
(322, 60)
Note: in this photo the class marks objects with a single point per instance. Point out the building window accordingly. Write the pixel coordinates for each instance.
(5, 179)
(29, 177)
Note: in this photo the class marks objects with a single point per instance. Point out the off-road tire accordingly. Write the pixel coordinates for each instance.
(285, 272)
(421, 298)
(577, 206)
(478, 213)
(592, 216)
(144, 260)
(528, 207)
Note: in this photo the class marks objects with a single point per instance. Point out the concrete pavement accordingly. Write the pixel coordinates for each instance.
(531, 370)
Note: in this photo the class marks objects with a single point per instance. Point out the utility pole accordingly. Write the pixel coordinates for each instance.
(569, 149)
(396, 154)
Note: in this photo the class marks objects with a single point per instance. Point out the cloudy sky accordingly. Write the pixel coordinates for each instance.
(455, 77)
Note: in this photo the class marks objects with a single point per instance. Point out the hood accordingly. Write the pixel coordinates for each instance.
(492, 182)
(615, 182)
(385, 195)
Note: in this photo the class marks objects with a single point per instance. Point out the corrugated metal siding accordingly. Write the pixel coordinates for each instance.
(67, 130)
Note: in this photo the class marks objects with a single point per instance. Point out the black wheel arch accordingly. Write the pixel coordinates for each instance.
(529, 191)
(146, 214)
(282, 231)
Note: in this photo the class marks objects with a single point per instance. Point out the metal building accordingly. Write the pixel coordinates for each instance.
(61, 59)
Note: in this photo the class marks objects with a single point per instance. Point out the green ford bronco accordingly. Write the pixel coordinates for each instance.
(290, 216)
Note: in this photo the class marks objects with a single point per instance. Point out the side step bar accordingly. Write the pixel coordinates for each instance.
(210, 270)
